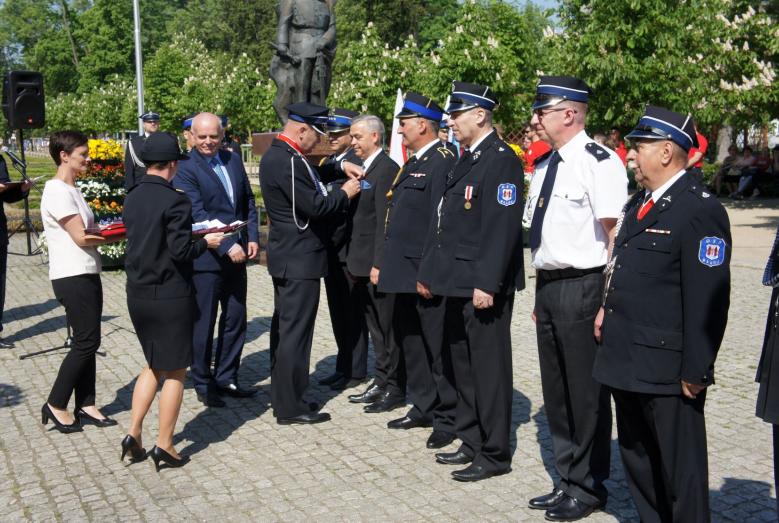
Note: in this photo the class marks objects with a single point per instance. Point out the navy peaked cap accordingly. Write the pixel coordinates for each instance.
(551, 90)
(161, 147)
(659, 123)
(340, 119)
(150, 116)
(417, 106)
(312, 114)
(466, 96)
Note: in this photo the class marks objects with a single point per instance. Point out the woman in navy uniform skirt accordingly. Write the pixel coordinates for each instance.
(160, 298)
(768, 393)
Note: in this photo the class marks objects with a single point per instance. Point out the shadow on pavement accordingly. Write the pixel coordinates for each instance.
(27, 311)
(10, 395)
(735, 491)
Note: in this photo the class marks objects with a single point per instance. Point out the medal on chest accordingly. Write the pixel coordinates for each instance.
(468, 196)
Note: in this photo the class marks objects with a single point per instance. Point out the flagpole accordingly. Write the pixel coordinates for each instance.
(138, 62)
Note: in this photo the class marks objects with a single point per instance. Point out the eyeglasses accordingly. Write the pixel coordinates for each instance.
(541, 112)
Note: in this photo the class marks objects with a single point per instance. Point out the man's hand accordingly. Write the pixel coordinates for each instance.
(375, 275)
(598, 324)
(254, 250)
(351, 188)
(691, 390)
(236, 254)
(482, 300)
(533, 315)
(214, 239)
(423, 289)
(3, 187)
(352, 170)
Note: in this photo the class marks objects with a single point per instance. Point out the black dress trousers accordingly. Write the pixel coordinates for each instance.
(378, 308)
(479, 341)
(578, 408)
(432, 315)
(349, 328)
(662, 437)
(295, 306)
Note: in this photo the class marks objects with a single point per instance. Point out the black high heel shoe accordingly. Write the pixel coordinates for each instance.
(131, 445)
(47, 414)
(85, 419)
(157, 455)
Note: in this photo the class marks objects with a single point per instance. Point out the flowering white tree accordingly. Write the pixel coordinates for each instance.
(714, 58)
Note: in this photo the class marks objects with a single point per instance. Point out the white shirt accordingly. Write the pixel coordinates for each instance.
(366, 164)
(660, 191)
(422, 150)
(585, 191)
(60, 200)
(475, 144)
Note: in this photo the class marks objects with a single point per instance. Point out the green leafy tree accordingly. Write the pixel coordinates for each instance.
(719, 66)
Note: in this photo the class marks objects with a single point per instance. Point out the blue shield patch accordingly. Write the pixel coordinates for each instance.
(365, 184)
(712, 251)
(507, 194)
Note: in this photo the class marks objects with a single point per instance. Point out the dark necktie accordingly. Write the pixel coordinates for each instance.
(543, 201)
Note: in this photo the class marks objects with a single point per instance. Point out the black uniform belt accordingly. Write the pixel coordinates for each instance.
(568, 272)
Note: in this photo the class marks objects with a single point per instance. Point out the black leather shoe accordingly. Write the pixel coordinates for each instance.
(477, 473)
(386, 402)
(547, 501)
(86, 419)
(453, 458)
(407, 422)
(6, 344)
(570, 509)
(347, 383)
(439, 439)
(236, 392)
(370, 395)
(332, 378)
(211, 400)
(305, 419)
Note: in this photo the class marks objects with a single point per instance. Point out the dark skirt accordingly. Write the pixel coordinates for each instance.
(164, 328)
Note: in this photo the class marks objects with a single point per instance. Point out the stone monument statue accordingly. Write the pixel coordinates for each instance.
(305, 48)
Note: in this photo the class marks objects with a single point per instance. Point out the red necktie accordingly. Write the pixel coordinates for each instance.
(645, 207)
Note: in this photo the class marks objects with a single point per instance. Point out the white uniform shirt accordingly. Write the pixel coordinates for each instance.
(586, 190)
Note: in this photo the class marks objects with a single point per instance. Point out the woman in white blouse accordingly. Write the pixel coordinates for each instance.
(74, 271)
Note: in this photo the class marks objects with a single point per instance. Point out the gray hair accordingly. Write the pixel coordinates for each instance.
(372, 123)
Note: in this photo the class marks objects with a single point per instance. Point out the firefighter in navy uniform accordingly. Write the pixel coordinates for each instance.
(298, 206)
(417, 322)
(662, 322)
(349, 328)
(134, 168)
(473, 257)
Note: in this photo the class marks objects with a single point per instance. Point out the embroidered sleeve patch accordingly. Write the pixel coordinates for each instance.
(712, 251)
(507, 194)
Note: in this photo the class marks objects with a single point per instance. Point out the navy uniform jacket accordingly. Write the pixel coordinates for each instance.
(478, 247)
(411, 207)
(132, 172)
(160, 245)
(10, 195)
(296, 251)
(341, 222)
(366, 242)
(768, 395)
(210, 202)
(667, 304)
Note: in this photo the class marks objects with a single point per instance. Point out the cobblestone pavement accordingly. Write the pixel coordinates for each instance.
(246, 468)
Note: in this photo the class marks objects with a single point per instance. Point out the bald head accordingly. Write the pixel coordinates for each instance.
(207, 133)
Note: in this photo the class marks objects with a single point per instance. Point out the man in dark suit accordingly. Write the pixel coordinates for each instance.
(299, 207)
(388, 390)
(349, 328)
(8, 194)
(134, 169)
(662, 321)
(216, 182)
(473, 257)
(418, 323)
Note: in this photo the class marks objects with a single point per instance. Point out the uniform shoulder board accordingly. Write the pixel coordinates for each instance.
(701, 191)
(597, 151)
